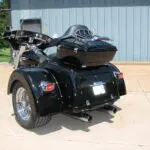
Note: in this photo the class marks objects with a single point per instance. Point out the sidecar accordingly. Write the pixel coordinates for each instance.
(65, 82)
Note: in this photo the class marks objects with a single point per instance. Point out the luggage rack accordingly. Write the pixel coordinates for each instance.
(83, 34)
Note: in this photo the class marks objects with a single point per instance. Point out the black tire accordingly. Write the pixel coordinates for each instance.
(35, 120)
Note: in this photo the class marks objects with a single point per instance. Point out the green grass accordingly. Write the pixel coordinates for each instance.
(5, 55)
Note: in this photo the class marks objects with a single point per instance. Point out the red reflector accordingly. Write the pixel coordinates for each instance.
(50, 87)
(120, 75)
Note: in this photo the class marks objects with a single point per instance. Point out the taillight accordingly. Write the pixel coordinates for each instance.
(47, 87)
(118, 75)
(50, 87)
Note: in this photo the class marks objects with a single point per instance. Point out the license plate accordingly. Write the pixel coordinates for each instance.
(99, 89)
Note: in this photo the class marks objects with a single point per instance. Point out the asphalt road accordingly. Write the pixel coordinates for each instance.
(129, 129)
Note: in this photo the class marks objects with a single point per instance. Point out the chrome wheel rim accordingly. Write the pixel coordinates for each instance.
(23, 106)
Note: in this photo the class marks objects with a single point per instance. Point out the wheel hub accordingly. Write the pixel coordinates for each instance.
(22, 104)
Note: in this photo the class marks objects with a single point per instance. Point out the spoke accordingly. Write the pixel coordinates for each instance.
(22, 104)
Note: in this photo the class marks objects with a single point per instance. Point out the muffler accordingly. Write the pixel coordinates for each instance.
(81, 116)
(111, 108)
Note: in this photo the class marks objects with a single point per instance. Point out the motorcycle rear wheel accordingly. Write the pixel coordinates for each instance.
(25, 109)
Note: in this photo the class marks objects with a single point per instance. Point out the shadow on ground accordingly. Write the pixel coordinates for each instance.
(61, 120)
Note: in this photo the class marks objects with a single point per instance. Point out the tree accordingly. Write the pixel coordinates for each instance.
(3, 21)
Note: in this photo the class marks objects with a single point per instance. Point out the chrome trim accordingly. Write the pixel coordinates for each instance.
(23, 106)
(99, 83)
(43, 85)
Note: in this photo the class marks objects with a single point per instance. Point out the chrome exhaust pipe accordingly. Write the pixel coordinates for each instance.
(111, 108)
(81, 116)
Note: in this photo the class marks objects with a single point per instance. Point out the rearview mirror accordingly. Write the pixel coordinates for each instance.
(7, 29)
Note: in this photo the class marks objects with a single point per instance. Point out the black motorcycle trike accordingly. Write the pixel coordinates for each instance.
(76, 79)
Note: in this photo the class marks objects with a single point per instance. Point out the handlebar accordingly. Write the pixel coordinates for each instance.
(18, 37)
(40, 39)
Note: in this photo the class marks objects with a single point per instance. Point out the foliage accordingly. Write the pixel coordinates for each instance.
(5, 55)
(3, 22)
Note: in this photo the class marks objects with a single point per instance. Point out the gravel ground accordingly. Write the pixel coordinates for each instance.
(126, 130)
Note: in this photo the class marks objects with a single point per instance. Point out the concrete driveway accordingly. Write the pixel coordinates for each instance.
(129, 129)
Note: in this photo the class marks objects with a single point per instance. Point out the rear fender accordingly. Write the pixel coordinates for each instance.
(46, 102)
